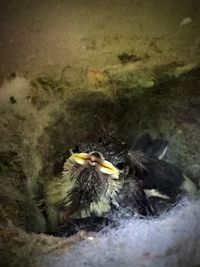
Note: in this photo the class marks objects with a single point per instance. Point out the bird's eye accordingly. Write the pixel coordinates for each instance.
(120, 165)
(76, 149)
(100, 139)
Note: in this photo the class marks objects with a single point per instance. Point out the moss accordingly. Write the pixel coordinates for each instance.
(18, 208)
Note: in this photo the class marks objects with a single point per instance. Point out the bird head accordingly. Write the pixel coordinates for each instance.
(91, 179)
(96, 174)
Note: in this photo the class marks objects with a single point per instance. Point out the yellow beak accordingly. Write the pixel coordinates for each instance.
(103, 165)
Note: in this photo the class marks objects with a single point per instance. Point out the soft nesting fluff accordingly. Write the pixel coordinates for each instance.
(173, 239)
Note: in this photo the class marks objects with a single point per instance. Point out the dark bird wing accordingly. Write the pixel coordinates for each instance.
(163, 177)
(158, 177)
(162, 182)
(155, 174)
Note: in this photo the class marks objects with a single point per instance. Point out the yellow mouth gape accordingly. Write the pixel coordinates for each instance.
(103, 165)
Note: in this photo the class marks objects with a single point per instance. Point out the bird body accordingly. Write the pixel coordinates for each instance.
(104, 176)
(87, 186)
(163, 182)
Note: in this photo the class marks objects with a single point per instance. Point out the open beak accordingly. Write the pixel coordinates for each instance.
(103, 165)
(108, 168)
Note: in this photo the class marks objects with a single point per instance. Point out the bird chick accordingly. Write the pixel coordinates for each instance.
(163, 182)
(88, 185)
(102, 177)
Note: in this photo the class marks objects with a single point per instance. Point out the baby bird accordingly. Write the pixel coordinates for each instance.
(106, 176)
(163, 183)
(90, 182)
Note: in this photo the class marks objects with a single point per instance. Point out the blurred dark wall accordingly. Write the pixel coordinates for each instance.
(45, 35)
